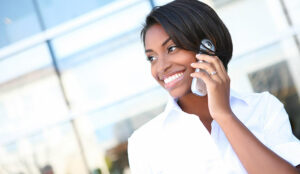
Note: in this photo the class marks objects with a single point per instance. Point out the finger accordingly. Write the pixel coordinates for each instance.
(221, 65)
(226, 76)
(208, 68)
(205, 66)
(205, 77)
(217, 63)
(223, 68)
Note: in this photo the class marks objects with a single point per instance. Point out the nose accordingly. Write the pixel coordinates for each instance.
(163, 65)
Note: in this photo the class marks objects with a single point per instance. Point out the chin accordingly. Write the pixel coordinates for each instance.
(180, 92)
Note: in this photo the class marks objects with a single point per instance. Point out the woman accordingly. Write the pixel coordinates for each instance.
(221, 132)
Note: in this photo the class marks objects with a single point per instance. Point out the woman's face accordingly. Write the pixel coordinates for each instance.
(170, 66)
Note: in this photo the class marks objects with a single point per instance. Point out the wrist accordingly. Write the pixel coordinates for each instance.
(225, 118)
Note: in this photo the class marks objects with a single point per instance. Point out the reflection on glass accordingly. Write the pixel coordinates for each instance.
(55, 12)
(105, 130)
(113, 75)
(250, 30)
(30, 106)
(277, 80)
(50, 151)
(161, 2)
(220, 3)
(24, 63)
(273, 68)
(101, 31)
(17, 21)
(108, 80)
(293, 8)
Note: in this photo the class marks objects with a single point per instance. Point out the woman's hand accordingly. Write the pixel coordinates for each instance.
(217, 83)
(243, 142)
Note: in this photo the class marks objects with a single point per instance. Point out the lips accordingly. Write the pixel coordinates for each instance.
(171, 80)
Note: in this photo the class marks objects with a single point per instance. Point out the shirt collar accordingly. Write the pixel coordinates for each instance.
(172, 104)
(234, 97)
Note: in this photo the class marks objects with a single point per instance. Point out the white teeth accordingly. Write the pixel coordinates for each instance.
(173, 77)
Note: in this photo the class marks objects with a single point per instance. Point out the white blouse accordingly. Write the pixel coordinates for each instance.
(177, 142)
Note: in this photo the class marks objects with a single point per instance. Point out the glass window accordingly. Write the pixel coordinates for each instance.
(251, 30)
(43, 153)
(31, 106)
(265, 52)
(219, 3)
(108, 81)
(273, 68)
(102, 31)
(112, 75)
(293, 10)
(17, 21)
(105, 130)
(161, 2)
(55, 12)
(25, 62)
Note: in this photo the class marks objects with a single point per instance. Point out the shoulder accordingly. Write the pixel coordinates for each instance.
(266, 101)
(141, 145)
(148, 131)
(253, 99)
(255, 109)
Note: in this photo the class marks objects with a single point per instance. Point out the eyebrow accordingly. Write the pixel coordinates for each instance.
(164, 43)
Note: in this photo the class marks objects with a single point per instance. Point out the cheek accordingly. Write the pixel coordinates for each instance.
(191, 58)
(186, 57)
(154, 73)
(188, 60)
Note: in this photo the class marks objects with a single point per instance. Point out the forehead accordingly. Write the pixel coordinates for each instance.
(155, 36)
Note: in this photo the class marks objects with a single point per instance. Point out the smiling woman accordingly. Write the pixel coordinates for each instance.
(162, 52)
(221, 132)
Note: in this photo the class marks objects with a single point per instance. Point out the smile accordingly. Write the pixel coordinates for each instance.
(172, 80)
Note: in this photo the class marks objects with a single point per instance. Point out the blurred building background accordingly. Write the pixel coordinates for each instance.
(75, 83)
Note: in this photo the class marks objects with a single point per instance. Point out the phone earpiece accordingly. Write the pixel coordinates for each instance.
(207, 47)
(198, 86)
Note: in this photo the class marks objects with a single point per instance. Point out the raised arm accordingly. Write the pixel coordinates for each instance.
(254, 155)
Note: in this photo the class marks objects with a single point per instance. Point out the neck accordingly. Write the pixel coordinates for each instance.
(197, 105)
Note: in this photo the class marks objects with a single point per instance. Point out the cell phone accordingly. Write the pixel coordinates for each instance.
(198, 86)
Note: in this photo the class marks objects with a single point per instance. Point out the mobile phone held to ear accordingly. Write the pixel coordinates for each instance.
(198, 86)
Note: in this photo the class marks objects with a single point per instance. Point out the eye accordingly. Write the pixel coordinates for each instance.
(151, 58)
(171, 48)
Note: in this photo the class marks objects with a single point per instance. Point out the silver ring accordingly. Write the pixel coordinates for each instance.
(213, 73)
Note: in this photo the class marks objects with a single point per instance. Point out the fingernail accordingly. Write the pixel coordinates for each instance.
(192, 75)
(192, 64)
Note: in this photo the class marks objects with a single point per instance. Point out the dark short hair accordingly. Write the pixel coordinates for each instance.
(187, 22)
